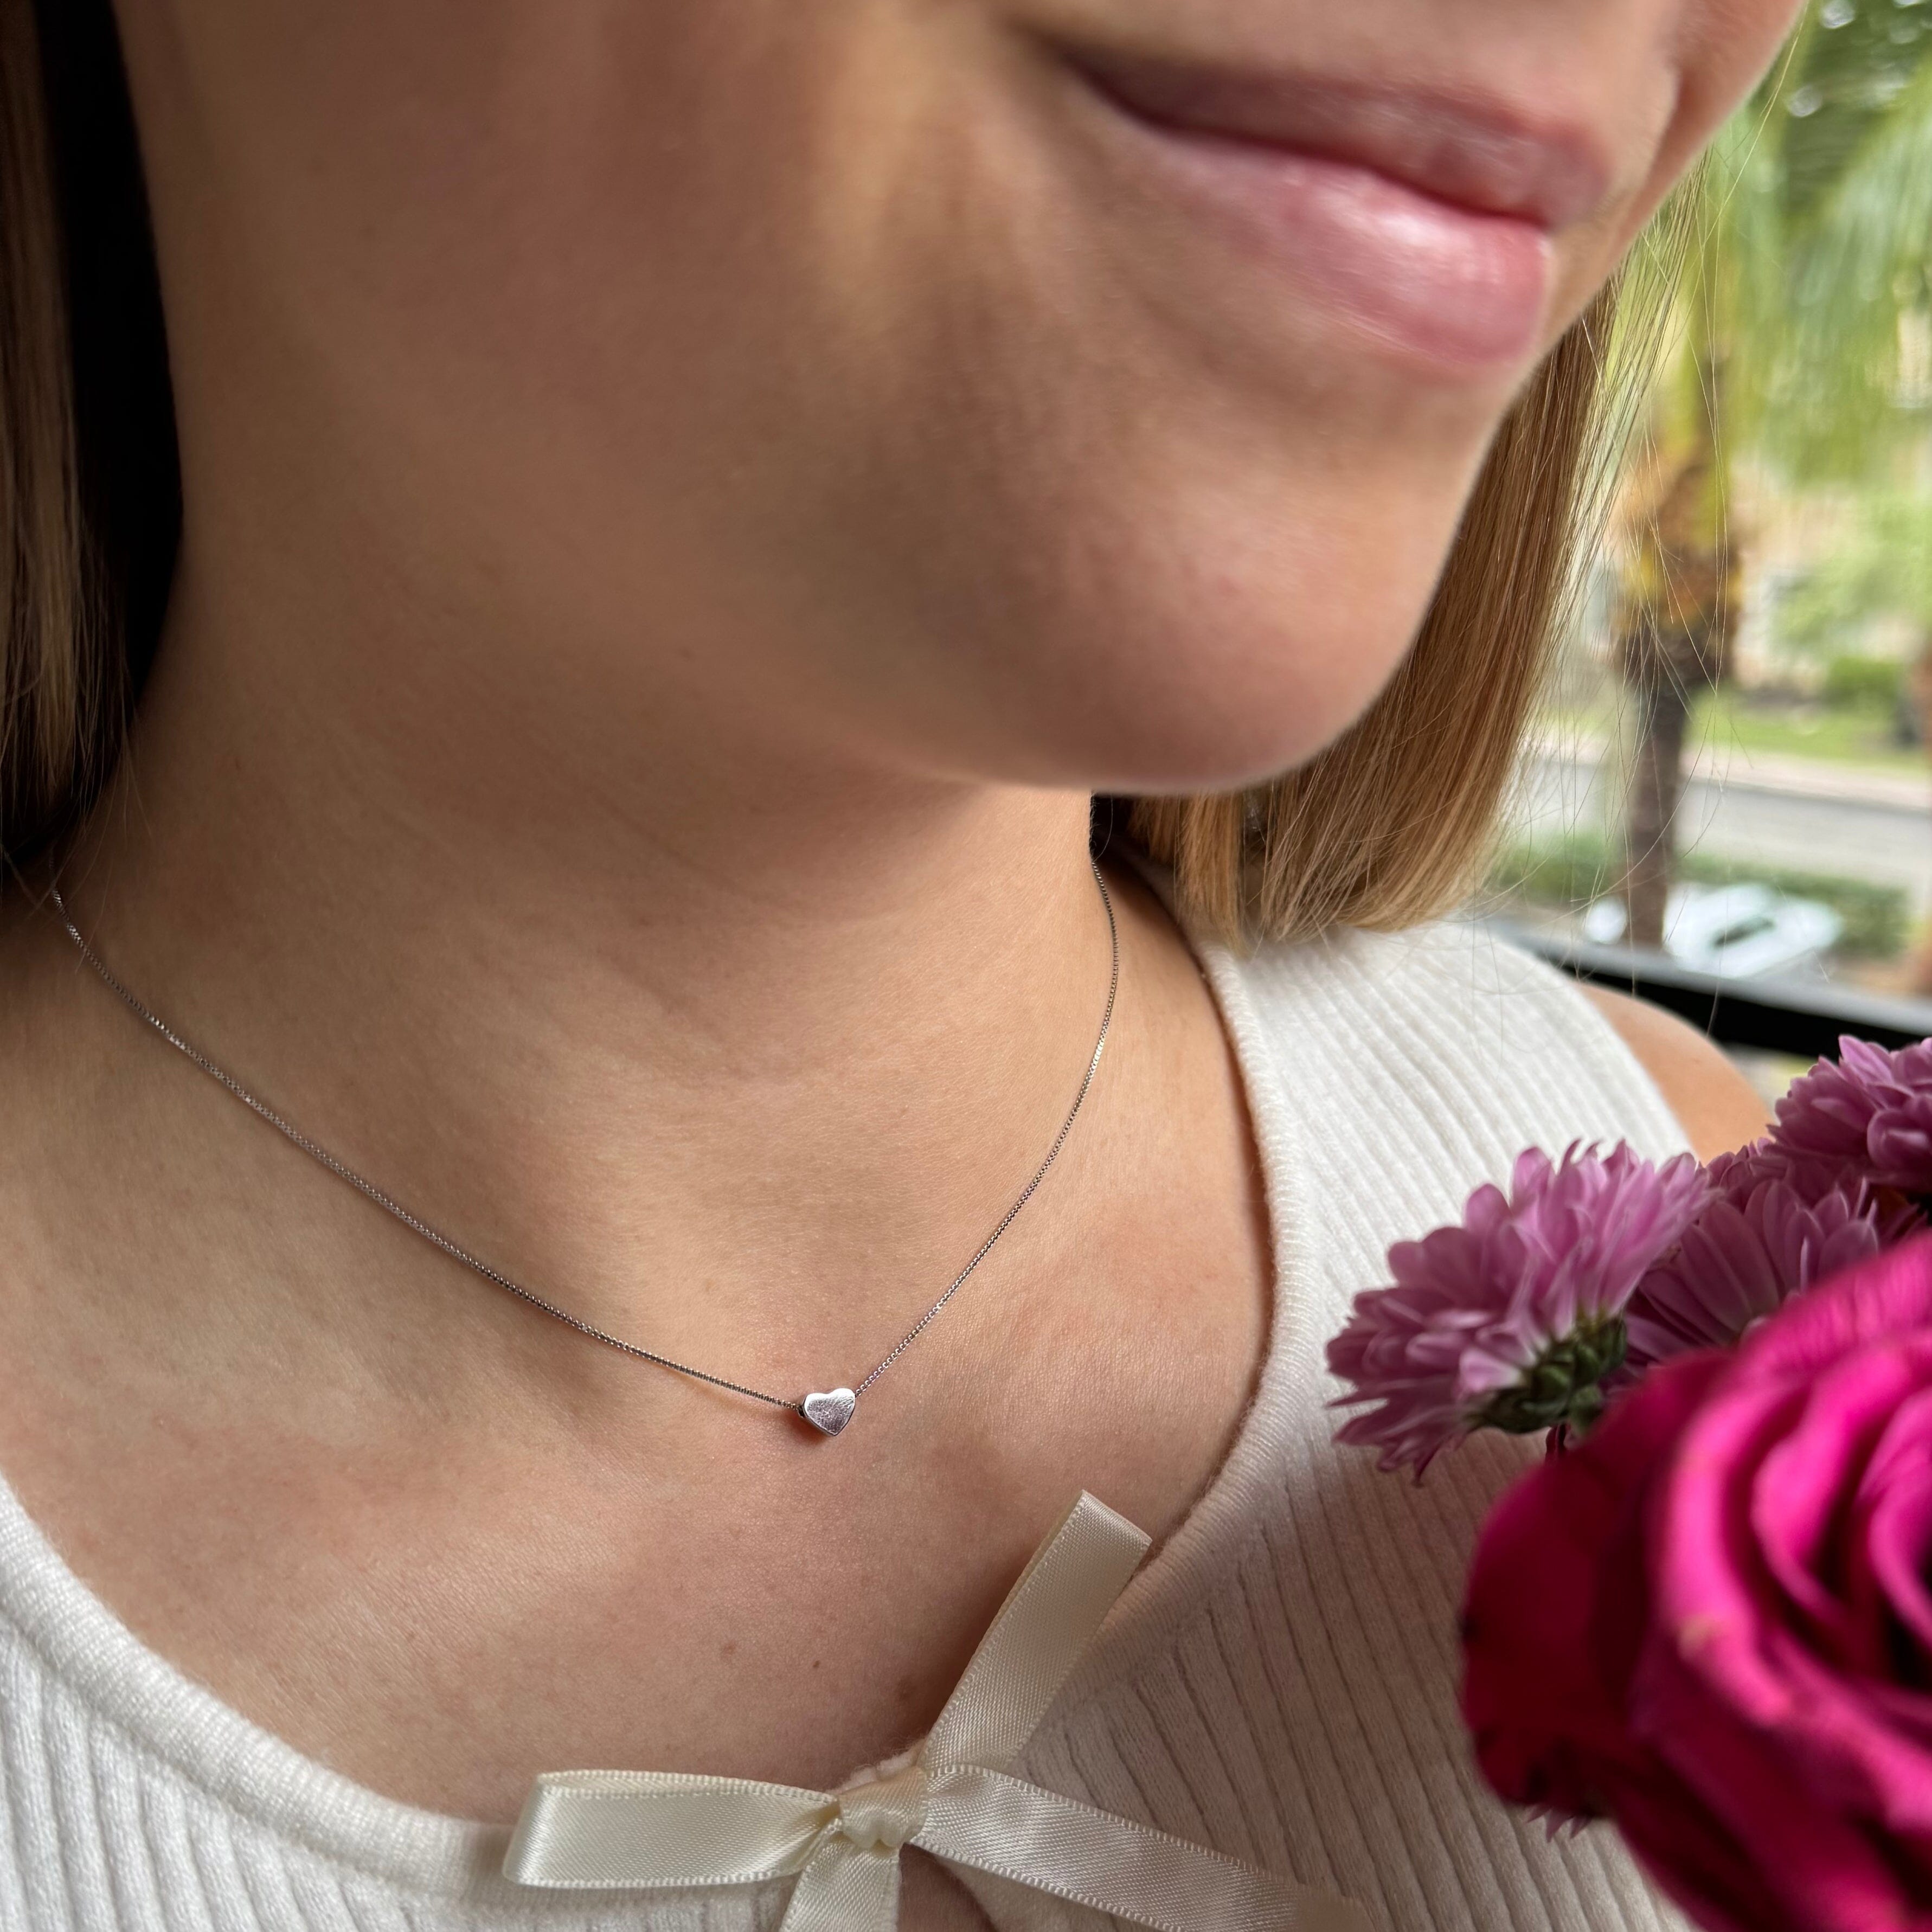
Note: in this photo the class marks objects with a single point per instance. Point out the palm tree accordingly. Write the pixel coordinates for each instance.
(1674, 619)
(1805, 243)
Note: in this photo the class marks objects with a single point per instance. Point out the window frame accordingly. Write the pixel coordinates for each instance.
(1772, 1015)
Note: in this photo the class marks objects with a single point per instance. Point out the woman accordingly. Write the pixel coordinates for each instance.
(681, 507)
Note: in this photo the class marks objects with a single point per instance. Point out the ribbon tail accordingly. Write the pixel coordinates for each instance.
(1048, 1620)
(990, 1822)
(844, 1889)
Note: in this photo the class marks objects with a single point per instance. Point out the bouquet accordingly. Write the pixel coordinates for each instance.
(1707, 1614)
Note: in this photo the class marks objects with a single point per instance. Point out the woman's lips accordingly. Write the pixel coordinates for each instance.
(1425, 221)
(1461, 289)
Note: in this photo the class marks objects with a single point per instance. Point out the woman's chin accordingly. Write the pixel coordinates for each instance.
(1155, 698)
(1152, 741)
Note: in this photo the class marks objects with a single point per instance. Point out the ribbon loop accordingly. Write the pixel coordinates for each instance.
(652, 1830)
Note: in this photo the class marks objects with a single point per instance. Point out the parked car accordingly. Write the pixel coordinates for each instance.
(1738, 932)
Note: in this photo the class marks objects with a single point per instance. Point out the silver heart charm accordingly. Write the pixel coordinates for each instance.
(829, 1412)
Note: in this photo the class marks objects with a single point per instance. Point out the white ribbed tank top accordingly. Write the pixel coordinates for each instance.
(1278, 1682)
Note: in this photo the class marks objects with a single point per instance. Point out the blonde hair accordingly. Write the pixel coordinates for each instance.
(1384, 829)
(1391, 824)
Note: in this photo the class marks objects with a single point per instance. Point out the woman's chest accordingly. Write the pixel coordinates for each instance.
(441, 1617)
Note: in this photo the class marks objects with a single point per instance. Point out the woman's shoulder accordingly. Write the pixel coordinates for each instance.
(1717, 1107)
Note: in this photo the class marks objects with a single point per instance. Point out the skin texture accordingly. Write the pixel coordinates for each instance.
(1720, 1109)
(685, 500)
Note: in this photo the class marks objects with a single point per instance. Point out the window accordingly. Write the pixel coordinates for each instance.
(1728, 801)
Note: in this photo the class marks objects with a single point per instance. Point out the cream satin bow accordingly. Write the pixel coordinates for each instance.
(652, 1830)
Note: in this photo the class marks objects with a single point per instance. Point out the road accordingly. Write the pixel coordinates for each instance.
(1889, 842)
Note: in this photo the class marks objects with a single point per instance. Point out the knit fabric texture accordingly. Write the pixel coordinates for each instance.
(1279, 1680)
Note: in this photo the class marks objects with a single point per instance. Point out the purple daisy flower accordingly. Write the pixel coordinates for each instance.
(1513, 1319)
(1758, 1242)
(1864, 1117)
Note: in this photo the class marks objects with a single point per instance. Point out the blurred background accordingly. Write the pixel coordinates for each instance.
(1727, 804)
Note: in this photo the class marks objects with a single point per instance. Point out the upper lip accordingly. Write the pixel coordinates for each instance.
(1457, 146)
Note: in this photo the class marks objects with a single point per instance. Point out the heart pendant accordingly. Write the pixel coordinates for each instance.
(829, 1412)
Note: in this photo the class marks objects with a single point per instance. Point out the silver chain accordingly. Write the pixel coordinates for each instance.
(390, 1205)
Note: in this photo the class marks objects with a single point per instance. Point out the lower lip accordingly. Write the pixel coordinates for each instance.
(1427, 279)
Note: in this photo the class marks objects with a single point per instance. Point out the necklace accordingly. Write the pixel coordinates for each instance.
(827, 1410)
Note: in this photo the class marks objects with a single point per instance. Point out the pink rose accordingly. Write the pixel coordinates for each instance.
(1711, 1621)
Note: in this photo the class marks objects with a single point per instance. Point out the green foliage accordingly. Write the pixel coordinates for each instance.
(1855, 59)
(1733, 724)
(1814, 616)
(1854, 168)
(1865, 684)
(1572, 871)
(1811, 233)
(1883, 569)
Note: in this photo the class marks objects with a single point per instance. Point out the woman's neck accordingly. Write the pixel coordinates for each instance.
(736, 1044)
(739, 1055)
